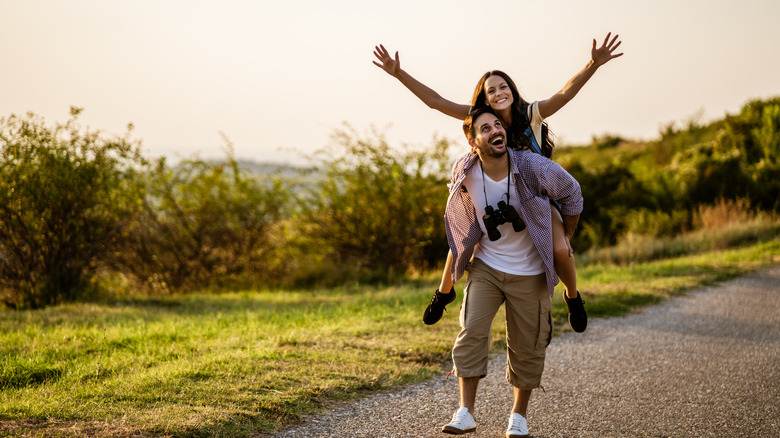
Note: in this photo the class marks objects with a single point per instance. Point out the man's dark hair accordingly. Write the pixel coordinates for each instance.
(474, 113)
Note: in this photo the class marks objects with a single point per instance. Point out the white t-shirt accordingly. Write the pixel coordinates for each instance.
(513, 253)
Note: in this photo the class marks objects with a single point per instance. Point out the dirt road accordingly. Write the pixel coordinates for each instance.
(703, 365)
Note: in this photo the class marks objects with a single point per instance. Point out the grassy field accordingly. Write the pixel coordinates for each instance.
(240, 364)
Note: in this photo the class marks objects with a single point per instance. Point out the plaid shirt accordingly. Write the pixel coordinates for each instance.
(537, 179)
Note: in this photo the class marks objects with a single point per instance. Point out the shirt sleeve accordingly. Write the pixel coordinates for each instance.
(560, 186)
(547, 178)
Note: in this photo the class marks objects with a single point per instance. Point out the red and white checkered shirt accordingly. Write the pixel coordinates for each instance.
(537, 180)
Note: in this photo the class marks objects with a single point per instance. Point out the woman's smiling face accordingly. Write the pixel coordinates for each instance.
(498, 93)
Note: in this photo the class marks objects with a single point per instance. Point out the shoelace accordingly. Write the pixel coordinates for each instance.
(517, 427)
(435, 302)
(458, 417)
(567, 299)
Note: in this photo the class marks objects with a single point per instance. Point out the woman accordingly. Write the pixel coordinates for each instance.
(497, 90)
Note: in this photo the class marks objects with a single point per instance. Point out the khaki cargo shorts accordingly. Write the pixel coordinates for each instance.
(528, 324)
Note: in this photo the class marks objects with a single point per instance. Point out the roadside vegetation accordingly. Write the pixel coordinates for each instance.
(205, 299)
(83, 214)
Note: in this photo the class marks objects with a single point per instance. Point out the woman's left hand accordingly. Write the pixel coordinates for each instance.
(601, 55)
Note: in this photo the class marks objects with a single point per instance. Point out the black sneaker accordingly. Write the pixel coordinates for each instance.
(436, 308)
(578, 318)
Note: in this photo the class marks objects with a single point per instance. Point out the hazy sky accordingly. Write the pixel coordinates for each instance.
(285, 73)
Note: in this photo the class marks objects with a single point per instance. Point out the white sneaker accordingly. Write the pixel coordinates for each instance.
(462, 422)
(518, 426)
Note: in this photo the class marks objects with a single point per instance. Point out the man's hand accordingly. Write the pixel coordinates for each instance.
(391, 65)
(601, 55)
(568, 245)
(569, 226)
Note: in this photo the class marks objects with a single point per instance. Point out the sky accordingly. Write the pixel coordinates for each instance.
(278, 78)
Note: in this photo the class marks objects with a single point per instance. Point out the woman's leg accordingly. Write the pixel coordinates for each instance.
(563, 255)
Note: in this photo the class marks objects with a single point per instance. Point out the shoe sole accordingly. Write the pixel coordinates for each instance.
(455, 431)
(578, 325)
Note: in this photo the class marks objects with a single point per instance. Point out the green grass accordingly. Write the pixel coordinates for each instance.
(241, 363)
(213, 364)
(612, 290)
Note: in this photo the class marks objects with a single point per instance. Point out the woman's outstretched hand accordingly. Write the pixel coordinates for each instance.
(387, 63)
(601, 55)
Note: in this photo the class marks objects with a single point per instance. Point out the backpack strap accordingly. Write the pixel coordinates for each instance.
(529, 132)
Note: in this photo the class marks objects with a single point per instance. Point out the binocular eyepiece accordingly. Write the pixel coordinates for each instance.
(505, 213)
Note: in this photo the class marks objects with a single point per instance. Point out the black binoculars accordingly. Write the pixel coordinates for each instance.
(494, 218)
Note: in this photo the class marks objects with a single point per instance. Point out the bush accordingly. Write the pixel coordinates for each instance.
(611, 195)
(204, 224)
(380, 210)
(66, 196)
(656, 223)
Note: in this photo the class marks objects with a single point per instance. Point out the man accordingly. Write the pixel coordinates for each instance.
(513, 260)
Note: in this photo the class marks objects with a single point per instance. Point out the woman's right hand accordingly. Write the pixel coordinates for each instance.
(431, 98)
(391, 65)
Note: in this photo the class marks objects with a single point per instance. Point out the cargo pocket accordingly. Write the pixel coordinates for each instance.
(545, 324)
(463, 304)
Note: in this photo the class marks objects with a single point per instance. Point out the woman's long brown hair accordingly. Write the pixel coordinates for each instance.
(516, 129)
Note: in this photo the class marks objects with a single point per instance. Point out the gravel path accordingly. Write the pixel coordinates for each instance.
(703, 365)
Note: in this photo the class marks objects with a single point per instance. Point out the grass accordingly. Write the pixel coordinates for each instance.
(205, 365)
(613, 290)
(240, 364)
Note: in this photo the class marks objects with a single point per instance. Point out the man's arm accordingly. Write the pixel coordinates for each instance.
(557, 184)
(570, 225)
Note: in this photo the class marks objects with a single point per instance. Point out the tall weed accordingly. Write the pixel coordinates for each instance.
(723, 213)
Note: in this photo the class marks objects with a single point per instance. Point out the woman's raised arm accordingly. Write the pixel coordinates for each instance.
(598, 57)
(431, 98)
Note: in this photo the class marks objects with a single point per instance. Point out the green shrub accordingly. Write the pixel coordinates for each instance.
(66, 196)
(378, 209)
(205, 224)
